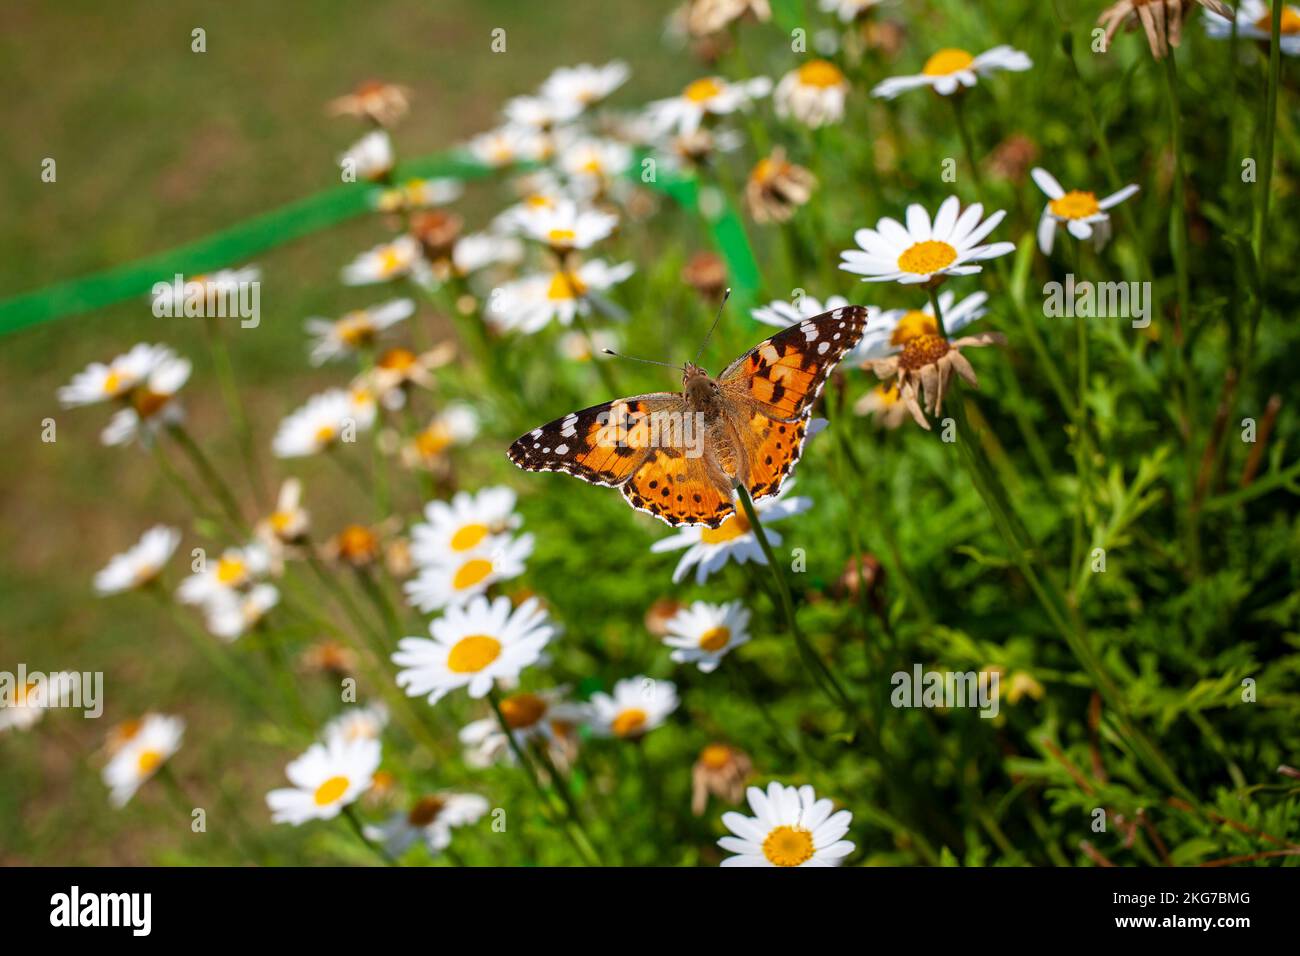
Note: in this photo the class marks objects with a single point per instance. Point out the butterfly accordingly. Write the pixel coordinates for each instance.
(680, 455)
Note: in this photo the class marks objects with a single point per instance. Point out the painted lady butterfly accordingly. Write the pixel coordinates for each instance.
(680, 456)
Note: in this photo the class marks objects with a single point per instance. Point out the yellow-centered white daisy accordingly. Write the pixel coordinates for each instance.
(357, 723)
(539, 112)
(466, 525)
(24, 709)
(419, 194)
(457, 424)
(924, 252)
(473, 646)
(709, 549)
(171, 299)
(705, 97)
(790, 827)
(1082, 213)
(952, 69)
(482, 249)
(637, 706)
(584, 84)
(231, 614)
(155, 740)
(151, 405)
(592, 163)
(813, 94)
(370, 157)
(139, 564)
(529, 304)
(430, 821)
(325, 420)
(531, 716)
(353, 331)
(565, 225)
(289, 521)
(101, 383)
(704, 633)
(508, 145)
(235, 569)
(325, 779)
(385, 262)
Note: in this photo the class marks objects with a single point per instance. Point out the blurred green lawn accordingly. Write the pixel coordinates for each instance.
(157, 146)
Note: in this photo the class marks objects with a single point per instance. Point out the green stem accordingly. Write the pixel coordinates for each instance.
(209, 474)
(350, 815)
(225, 372)
(1270, 129)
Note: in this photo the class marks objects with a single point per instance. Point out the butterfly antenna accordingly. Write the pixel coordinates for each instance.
(633, 358)
(718, 318)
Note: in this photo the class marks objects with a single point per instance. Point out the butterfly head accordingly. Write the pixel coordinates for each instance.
(699, 387)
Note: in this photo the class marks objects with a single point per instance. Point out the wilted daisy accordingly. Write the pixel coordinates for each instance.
(100, 383)
(482, 249)
(777, 187)
(1162, 20)
(707, 96)
(925, 252)
(705, 17)
(546, 716)
(430, 820)
(1255, 22)
(235, 569)
(529, 304)
(139, 564)
(357, 723)
(465, 525)
(370, 158)
(336, 338)
(790, 827)
(584, 84)
(1082, 213)
(357, 545)
(951, 69)
(637, 706)
(155, 740)
(151, 405)
(330, 417)
(565, 225)
(708, 549)
(722, 771)
(325, 779)
(231, 614)
(381, 103)
(419, 194)
(473, 647)
(813, 94)
(704, 633)
(889, 331)
(384, 262)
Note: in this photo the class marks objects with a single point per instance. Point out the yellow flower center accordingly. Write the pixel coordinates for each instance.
(148, 761)
(923, 258)
(788, 846)
(397, 360)
(231, 570)
(425, 811)
(522, 710)
(561, 237)
(1075, 205)
(282, 521)
(330, 790)
(1290, 21)
(565, 285)
(592, 167)
(715, 638)
(820, 73)
(112, 382)
(355, 328)
(911, 325)
(715, 756)
(629, 722)
(765, 170)
(703, 90)
(472, 654)
(538, 201)
(390, 261)
(468, 537)
(471, 573)
(922, 351)
(947, 61)
(729, 530)
(324, 434)
(433, 441)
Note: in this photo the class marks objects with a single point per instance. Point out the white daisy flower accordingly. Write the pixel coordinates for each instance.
(1081, 212)
(473, 646)
(540, 715)
(171, 300)
(151, 404)
(509, 145)
(457, 424)
(952, 69)
(465, 525)
(565, 225)
(385, 262)
(887, 331)
(235, 569)
(707, 96)
(584, 84)
(419, 194)
(100, 383)
(922, 252)
(638, 705)
(704, 633)
(139, 564)
(370, 157)
(482, 249)
(790, 827)
(1255, 22)
(326, 419)
(357, 723)
(592, 163)
(155, 740)
(430, 820)
(23, 707)
(289, 521)
(336, 338)
(848, 10)
(231, 614)
(527, 305)
(539, 112)
(325, 779)
(458, 578)
(708, 549)
(813, 94)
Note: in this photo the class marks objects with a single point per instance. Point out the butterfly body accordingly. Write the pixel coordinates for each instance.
(681, 455)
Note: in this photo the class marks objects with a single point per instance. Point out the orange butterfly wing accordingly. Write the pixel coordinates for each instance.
(679, 489)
